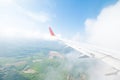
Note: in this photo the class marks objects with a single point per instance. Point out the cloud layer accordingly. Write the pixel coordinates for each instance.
(105, 29)
(18, 22)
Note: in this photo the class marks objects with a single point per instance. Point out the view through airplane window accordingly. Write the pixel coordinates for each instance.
(59, 39)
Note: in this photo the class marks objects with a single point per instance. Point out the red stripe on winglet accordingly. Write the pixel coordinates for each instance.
(51, 32)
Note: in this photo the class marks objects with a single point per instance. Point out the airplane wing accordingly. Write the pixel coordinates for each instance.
(92, 52)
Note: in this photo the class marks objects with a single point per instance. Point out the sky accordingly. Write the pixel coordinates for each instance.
(94, 21)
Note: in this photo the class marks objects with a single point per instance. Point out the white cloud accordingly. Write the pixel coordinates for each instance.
(22, 33)
(78, 38)
(41, 17)
(105, 29)
(17, 22)
(19, 26)
(6, 2)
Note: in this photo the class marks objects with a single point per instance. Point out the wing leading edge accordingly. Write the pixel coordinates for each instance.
(99, 54)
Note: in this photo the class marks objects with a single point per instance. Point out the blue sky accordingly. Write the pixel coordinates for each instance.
(71, 15)
(66, 17)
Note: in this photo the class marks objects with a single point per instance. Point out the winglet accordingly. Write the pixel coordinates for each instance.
(51, 32)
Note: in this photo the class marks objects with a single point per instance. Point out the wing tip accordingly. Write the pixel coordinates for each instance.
(51, 31)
